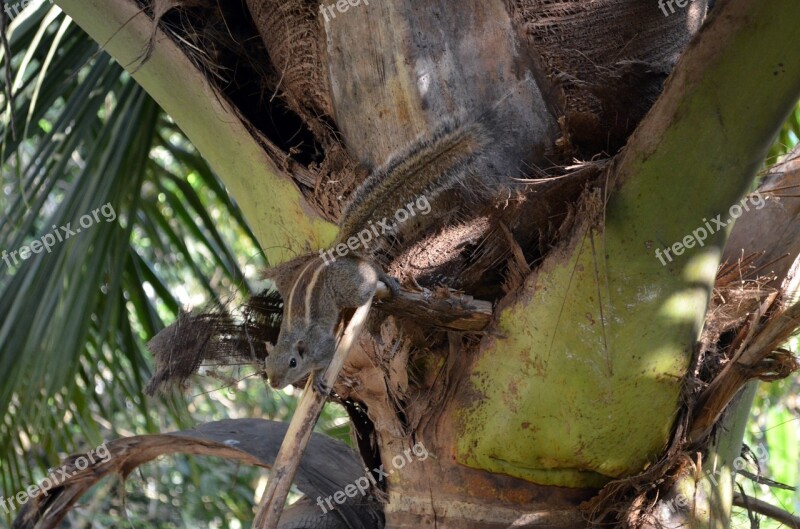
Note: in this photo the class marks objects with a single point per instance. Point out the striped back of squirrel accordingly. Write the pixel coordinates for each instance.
(302, 301)
(306, 341)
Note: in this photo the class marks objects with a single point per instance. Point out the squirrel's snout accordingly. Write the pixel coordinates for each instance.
(274, 380)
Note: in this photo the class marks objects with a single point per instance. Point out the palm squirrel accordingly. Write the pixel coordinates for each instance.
(315, 288)
(313, 301)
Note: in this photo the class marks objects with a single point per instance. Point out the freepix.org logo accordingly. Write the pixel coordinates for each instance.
(663, 4)
(361, 485)
(329, 11)
(59, 234)
(698, 237)
(56, 478)
(16, 7)
(379, 229)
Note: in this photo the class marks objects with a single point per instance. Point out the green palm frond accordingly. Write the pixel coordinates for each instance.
(85, 148)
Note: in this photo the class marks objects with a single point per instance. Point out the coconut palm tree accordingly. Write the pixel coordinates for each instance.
(599, 363)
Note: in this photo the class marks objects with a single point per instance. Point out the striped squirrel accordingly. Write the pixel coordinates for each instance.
(313, 300)
(316, 288)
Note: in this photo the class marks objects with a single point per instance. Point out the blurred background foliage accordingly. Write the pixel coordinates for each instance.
(78, 133)
(773, 434)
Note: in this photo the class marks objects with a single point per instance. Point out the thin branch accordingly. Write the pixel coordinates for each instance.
(302, 425)
(743, 367)
(770, 511)
(765, 481)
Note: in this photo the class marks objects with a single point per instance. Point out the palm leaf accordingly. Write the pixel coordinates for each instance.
(74, 320)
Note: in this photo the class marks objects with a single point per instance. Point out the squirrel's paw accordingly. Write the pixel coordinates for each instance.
(392, 284)
(319, 386)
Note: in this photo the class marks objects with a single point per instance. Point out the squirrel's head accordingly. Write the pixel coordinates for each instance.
(298, 351)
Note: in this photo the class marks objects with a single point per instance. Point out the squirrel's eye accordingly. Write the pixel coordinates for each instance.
(292, 363)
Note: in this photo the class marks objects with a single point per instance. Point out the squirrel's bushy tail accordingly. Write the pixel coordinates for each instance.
(438, 162)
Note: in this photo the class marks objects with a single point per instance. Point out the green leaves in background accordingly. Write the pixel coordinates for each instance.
(787, 137)
(775, 429)
(78, 135)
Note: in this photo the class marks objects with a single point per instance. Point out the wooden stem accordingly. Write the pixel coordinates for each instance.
(444, 309)
(301, 427)
(770, 511)
(716, 397)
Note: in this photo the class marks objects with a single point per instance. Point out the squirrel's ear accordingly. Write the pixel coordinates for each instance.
(284, 275)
